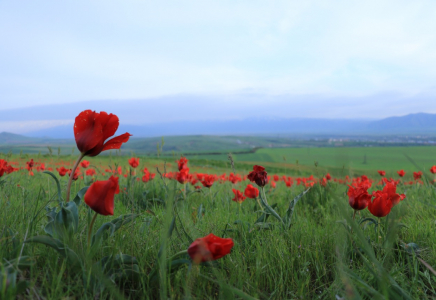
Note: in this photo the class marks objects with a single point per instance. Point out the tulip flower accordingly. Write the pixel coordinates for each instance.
(134, 162)
(258, 175)
(401, 173)
(62, 171)
(239, 197)
(433, 170)
(384, 200)
(251, 192)
(84, 164)
(209, 248)
(417, 175)
(208, 181)
(92, 129)
(358, 197)
(100, 196)
(382, 173)
(182, 163)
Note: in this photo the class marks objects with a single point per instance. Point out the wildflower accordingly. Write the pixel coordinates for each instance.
(209, 248)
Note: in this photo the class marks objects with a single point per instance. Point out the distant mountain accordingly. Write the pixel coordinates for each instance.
(12, 138)
(420, 123)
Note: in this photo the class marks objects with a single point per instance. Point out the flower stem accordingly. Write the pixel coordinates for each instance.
(90, 229)
(70, 181)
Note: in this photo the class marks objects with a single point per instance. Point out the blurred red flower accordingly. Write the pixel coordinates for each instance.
(62, 171)
(239, 197)
(401, 173)
(384, 200)
(134, 162)
(100, 196)
(251, 192)
(92, 129)
(417, 175)
(182, 163)
(258, 175)
(358, 197)
(382, 173)
(433, 170)
(209, 248)
(84, 164)
(208, 180)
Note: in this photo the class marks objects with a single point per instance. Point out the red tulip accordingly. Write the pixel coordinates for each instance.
(276, 178)
(84, 164)
(62, 171)
(251, 192)
(100, 196)
(358, 197)
(134, 162)
(433, 170)
(90, 172)
(417, 175)
(382, 173)
(239, 197)
(209, 248)
(384, 200)
(401, 173)
(182, 163)
(183, 176)
(328, 176)
(92, 129)
(258, 175)
(208, 180)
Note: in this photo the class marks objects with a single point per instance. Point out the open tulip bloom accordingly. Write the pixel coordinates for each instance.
(210, 247)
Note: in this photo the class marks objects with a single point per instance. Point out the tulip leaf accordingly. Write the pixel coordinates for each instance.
(264, 217)
(67, 253)
(80, 195)
(270, 209)
(57, 184)
(108, 229)
(64, 223)
(290, 211)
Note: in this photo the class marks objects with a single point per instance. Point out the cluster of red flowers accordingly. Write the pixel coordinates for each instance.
(383, 202)
(5, 168)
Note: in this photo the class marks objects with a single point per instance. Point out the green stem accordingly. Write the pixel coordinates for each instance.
(90, 229)
(70, 181)
(178, 254)
(264, 195)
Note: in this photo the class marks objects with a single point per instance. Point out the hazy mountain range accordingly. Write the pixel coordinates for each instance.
(420, 123)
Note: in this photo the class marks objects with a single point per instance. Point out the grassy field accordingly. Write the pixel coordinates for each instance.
(340, 159)
(316, 257)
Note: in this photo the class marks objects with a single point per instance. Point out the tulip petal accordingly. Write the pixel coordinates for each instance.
(87, 130)
(116, 142)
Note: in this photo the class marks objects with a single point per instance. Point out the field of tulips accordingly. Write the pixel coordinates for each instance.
(115, 227)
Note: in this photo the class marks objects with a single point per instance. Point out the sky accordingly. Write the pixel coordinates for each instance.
(230, 59)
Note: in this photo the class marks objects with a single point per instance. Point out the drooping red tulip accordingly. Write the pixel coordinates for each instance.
(239, 197)
(258, 175)
(382, 173)
(92, 129)
(84, 164)
(134, 162)
(100, 196)
(401, 173)
(209, 248)
(251, 192)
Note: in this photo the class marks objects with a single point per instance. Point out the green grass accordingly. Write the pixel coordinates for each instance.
(314, 259)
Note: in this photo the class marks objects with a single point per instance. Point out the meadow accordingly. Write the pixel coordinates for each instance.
(297, 240)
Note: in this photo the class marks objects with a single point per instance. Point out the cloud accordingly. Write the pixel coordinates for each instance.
(21, 127)
(63, 52)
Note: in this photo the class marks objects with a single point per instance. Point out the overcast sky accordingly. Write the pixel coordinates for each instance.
(246, 51)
